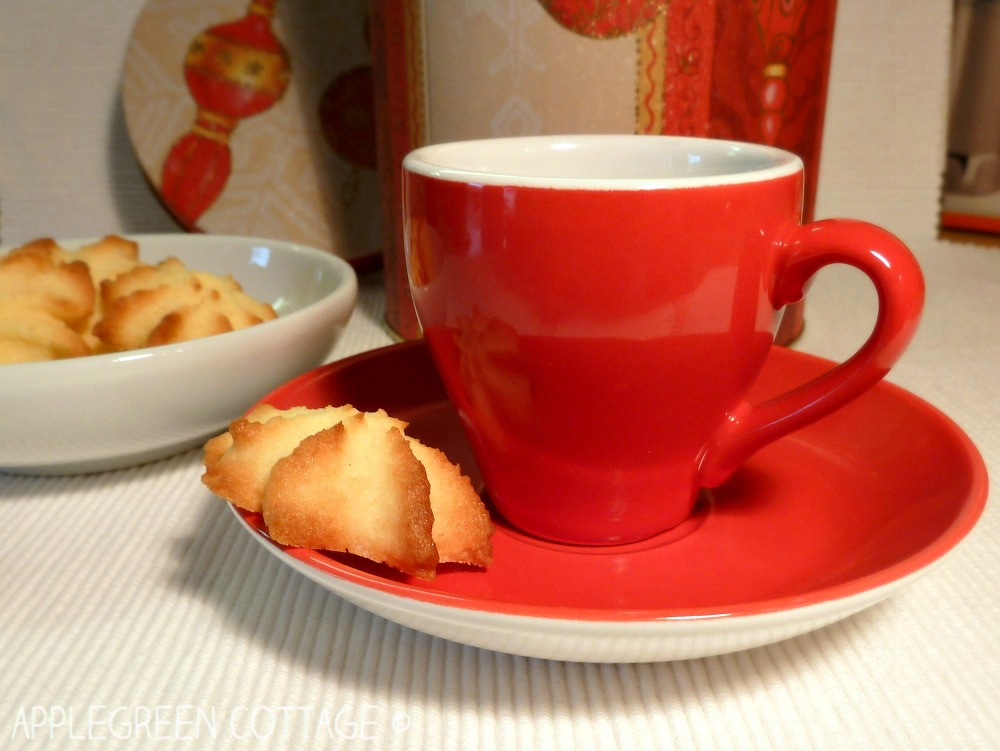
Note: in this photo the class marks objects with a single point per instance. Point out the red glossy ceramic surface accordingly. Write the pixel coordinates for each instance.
(599, 307)
(856, 501)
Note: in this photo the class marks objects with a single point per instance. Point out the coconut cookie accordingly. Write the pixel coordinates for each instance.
(347, 481)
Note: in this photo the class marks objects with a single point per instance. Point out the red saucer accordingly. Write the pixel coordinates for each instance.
(813, 528)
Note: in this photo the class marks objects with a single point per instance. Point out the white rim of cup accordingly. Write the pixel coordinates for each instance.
(602, 162)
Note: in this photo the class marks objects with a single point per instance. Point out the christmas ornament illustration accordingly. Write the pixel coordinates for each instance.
(778, 23)
(347, 117)
(604, 19)
(751, 70)
(347, 122)
(233, 71)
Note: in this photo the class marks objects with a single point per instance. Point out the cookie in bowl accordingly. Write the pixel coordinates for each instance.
(116, 407)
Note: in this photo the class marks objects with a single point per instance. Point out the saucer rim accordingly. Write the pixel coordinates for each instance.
(888, 579)
(593, 641)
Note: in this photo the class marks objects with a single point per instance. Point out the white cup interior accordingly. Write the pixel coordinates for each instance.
(601, 161)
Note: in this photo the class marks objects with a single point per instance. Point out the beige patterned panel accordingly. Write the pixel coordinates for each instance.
(506, 68)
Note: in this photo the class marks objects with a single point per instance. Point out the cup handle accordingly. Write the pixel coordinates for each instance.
(899, 284)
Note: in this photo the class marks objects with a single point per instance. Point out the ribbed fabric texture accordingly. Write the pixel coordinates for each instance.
(137, 613)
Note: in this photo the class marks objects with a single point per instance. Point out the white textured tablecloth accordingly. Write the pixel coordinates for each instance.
(134, 595)
(135, 613)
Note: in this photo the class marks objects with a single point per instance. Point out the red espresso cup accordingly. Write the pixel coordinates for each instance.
(598, 307)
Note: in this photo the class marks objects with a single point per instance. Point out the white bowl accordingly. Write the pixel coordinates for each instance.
(102, 412)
